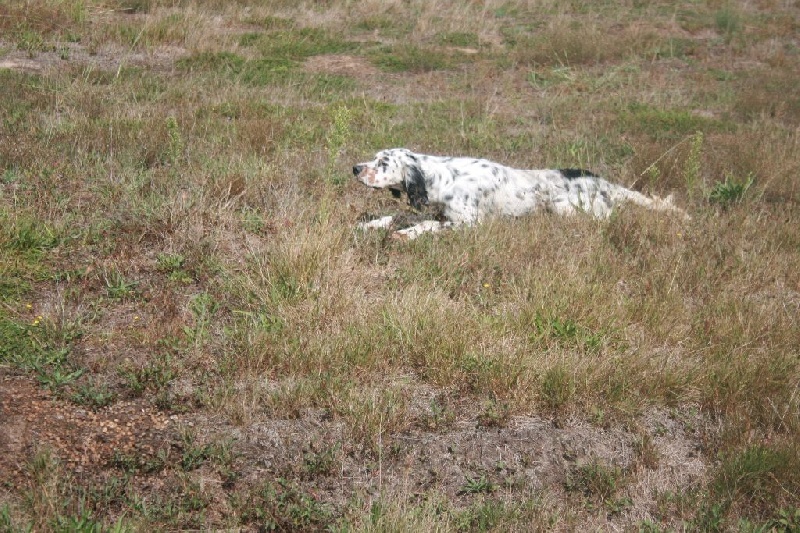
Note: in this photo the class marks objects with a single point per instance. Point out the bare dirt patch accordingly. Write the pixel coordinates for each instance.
(86, 440)
(343, 65)
(110, 57)
(529, 455)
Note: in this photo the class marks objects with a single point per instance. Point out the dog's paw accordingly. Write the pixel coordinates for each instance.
(378, 223)
(400, 236)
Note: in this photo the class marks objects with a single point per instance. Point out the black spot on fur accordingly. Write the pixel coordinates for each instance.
(415, 187)
(571, 173)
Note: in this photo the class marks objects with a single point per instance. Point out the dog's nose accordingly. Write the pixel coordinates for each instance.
(357, 169)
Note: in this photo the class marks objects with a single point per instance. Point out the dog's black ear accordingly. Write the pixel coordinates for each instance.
(415, 186)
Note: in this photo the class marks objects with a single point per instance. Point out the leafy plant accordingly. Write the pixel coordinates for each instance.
(319, 462)
(56, 378)
(93, 395)
(477, 485)
(731, 191)
(117, 287)
(193, 454)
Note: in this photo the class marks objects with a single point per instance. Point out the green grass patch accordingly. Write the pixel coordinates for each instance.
(460, 39)
(668, 124)
(217, 62)
(412, 58)
(758, 480)
(297, 43)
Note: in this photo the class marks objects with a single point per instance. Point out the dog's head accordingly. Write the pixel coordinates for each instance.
(398, 170)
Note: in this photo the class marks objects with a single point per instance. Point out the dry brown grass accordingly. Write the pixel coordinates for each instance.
(177, 227)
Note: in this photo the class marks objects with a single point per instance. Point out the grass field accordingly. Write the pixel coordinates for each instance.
(194, 334)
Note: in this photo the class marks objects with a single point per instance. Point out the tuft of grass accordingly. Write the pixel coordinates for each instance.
(558, 387)
(460, 39)
(595, 480)
(728, 22)
(218, 63)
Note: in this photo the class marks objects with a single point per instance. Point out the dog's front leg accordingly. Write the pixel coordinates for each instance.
(426, 226)
(378, 223)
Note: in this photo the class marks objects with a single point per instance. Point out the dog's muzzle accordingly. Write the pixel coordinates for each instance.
(358, 169)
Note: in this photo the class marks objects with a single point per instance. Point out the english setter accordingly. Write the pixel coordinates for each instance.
(468, 190)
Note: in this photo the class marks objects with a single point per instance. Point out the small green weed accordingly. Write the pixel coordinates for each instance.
(157, 373)
(267, 71)
(56, 378)
(94, 396)
(32, 42)
(787, 520)
(494, 413)
(298, 43)
(117, 287)
(753, 475)
(481, 485)
(26, 234)
(668, 124)
(193, 454)
(319, 462)
(548, 327)
(731, 191)
(441, 415)
(173, 264)
(546, 78)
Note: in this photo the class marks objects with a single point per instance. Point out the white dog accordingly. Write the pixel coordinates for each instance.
(468, 190)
